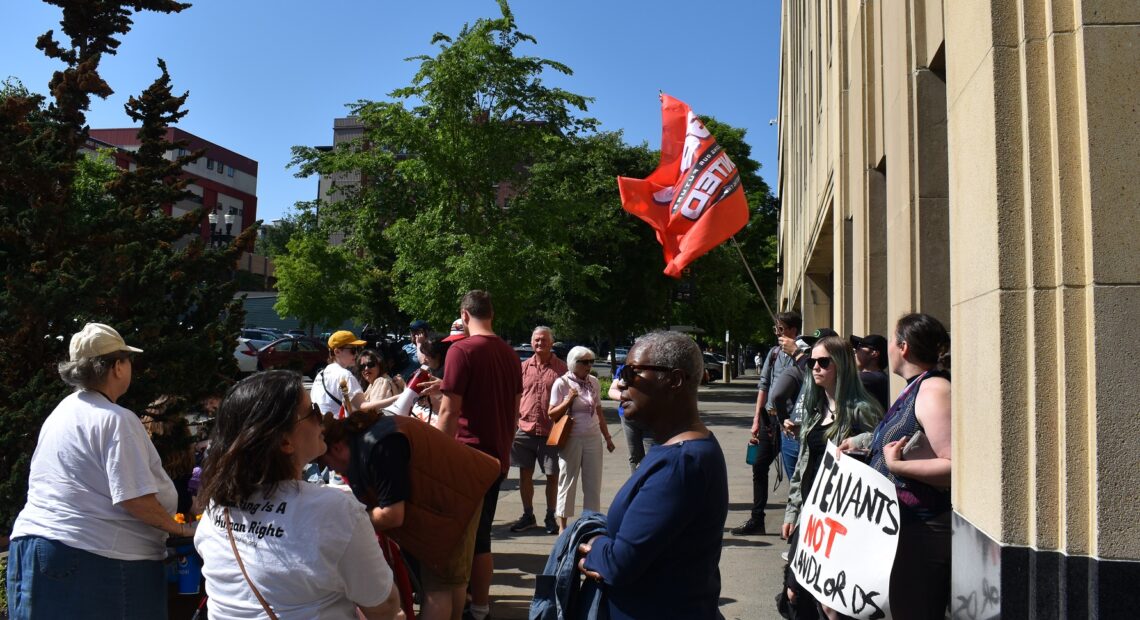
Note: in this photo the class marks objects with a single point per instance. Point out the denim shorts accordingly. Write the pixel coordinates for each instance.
(48, 579)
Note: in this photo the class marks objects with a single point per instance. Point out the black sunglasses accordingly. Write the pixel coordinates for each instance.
(629, 371)
(823, 362)
(314, 410)
(369, 365)
(585, 361)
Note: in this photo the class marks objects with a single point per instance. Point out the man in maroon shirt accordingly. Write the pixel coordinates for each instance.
(538, 376)
(482, 387)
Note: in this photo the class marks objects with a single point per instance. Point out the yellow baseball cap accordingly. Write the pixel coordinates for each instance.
(344, 338)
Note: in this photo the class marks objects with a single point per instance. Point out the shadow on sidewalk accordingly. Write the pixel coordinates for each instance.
(726, 419)
(510, 607)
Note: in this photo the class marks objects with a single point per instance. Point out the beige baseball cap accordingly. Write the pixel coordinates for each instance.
(97, 339)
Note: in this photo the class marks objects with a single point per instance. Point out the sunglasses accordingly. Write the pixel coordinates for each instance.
(629, 371)
(314, 410)
(823, 362)
(589, 361)
(369, 365)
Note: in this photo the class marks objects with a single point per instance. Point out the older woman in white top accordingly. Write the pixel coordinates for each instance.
(91, 539)
(577, 394)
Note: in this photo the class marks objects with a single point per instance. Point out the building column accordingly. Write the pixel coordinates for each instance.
(1044, 139)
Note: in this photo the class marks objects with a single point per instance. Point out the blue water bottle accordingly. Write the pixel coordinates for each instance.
(752, 453)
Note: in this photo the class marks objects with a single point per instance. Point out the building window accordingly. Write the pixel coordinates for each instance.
(230, 170)
(209, 164)
(221, 168)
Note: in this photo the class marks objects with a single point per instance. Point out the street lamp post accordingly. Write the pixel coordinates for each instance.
(219, 236)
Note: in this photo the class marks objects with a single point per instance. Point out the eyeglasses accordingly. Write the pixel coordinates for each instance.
(587, 361)
(823, 362)
(314, 410)
(629, 371)
(369, 365)
(777, 329)
(352, 350)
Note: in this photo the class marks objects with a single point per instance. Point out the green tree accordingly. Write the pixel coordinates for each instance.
(81, 240)
(275, 236)
(608, 282)
(317, 282)
(441, 165)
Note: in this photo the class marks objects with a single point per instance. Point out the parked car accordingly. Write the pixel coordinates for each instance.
(524, 353)
(305, 355)
(713, 370)
(259, 336)
(619, 354)
(246, 355)
(296, 333)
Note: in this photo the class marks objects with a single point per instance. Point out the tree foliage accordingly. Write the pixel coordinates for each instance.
(82, 240)
(441, 166)
(480, 175)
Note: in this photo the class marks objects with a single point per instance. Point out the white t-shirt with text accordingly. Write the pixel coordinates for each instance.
(309, 549)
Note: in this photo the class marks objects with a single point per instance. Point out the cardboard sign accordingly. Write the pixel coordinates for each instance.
(847, 536)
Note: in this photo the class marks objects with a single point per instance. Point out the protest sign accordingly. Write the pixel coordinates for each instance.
(847, 536)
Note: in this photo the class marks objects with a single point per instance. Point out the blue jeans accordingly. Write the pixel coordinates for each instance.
(789, 452)
(638, 440)
(48, 579)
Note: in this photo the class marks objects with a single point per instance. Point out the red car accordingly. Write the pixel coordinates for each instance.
(305, 355)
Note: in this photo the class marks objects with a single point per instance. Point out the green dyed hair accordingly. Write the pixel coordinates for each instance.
(853, 405)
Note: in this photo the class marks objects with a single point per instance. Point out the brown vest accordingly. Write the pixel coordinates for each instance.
(447, 483)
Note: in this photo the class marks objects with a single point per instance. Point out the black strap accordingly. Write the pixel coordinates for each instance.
(326, 389)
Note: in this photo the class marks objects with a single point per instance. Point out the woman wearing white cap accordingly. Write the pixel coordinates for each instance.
(91, 539)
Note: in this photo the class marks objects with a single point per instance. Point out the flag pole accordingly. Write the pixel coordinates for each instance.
(749, 269)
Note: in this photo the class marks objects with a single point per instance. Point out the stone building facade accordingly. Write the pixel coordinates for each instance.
(975, 160)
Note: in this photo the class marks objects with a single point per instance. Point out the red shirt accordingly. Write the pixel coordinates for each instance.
(486, 373)
(537, 379)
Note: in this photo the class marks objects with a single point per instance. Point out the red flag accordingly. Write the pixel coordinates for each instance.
(693, 199)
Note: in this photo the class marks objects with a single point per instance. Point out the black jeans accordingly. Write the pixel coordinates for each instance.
(920, 578)
(769, 449)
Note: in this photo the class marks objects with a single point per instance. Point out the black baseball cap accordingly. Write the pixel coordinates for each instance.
(875, 342)
(420, 325)
(822, 332)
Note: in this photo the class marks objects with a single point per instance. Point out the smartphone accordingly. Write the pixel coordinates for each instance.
(916, 441)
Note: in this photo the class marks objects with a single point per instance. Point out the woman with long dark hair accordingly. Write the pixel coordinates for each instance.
(832, 406)
(271, 543)
(919, 422)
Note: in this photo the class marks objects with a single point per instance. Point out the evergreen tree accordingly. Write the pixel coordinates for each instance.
(81, 240)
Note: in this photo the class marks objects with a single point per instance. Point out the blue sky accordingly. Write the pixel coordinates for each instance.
(264, 76)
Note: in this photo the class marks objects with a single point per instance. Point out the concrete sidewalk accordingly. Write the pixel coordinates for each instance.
(750, 566)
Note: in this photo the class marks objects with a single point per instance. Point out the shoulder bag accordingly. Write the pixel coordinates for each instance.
(560, 432)
(241, 565)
